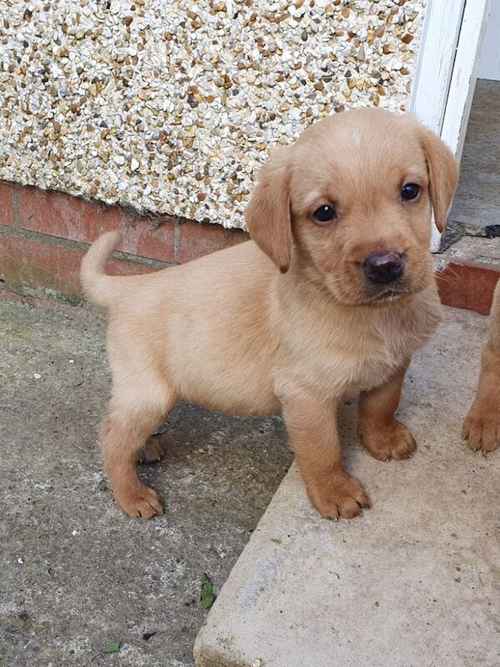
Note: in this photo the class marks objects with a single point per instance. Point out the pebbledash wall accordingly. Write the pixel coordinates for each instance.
(154, 116)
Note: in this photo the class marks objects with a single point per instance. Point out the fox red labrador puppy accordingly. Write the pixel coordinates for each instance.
(331, 297)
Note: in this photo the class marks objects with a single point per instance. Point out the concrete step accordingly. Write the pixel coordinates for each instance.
(414, 582)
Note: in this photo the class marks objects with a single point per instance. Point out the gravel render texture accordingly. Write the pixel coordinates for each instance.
(170, 107)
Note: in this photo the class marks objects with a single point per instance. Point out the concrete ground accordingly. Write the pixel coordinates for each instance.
(474, 249)
(477, 201)
(78, 579)
(414, 582)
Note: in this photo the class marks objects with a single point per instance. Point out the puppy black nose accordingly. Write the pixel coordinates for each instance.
(383, 267)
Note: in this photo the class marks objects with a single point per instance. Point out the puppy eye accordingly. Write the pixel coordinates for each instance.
(324, 214)
(410, 191)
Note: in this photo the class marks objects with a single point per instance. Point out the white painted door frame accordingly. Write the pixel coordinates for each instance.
(447, 69)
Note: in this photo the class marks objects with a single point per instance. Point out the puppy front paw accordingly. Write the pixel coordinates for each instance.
(339, 496)
(482, 426)
(393, 441)
(139, 501)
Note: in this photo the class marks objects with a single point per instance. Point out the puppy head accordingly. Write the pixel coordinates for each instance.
(349, 204)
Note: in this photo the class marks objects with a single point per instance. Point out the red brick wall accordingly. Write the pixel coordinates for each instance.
(468, 285)
(43, 236)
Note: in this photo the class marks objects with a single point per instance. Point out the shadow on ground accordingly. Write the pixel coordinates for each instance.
(79, 579)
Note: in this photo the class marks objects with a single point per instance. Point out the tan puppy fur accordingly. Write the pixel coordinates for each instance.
(482, 424)
(288, 322)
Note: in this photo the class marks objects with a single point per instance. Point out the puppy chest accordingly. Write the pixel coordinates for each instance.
(351, 373)
(362, 363)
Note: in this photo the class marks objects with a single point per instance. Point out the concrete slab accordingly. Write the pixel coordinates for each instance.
(415, 582)
(474, 249)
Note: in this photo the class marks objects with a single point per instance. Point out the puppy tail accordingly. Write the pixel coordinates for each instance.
(98, 286)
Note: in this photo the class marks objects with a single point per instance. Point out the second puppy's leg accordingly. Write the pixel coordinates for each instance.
(482, 424)
(312, 430)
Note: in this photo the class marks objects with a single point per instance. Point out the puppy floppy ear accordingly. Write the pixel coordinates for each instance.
(268, 216)
(443, 175)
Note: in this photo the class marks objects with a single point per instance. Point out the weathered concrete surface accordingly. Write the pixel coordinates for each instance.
(466, 243)
(474, 249)
(477, 202)
(415, 582)
(76, 575)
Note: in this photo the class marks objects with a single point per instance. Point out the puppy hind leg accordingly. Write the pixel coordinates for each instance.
(133, 416)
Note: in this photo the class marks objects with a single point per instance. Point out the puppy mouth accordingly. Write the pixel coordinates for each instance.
(387, 295)
(390, 293)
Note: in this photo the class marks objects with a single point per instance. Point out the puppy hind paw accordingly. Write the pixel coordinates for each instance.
(152, 452)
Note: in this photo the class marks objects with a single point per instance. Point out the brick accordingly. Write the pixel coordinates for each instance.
(26, 261)
(75, 219)
(37, 262)
(53, 213)
(197, 239)
(6, 203)
(468, 285)
(144, 237)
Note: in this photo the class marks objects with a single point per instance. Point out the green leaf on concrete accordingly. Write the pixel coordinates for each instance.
(113, 647)
(207, 594)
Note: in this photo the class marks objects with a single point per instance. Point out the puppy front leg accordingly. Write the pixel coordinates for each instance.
(383, 435)
(312, 430)
(482, 424)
